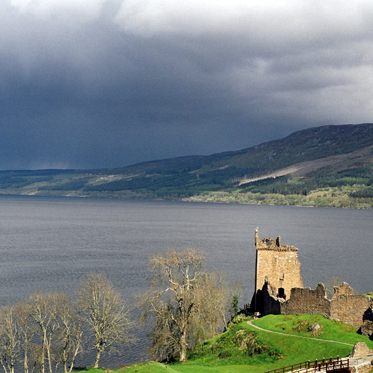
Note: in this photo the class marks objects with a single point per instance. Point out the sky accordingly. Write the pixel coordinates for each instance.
(109, 83)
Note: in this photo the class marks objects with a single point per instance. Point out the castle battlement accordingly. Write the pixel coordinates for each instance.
(271, 244)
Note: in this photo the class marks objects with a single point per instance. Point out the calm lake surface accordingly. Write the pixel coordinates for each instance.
(49, 244)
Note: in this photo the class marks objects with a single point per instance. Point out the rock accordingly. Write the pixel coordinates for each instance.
(367, 328)
(314, 327)
(360, 350)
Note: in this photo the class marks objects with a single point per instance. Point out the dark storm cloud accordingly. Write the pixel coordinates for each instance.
(101, 83)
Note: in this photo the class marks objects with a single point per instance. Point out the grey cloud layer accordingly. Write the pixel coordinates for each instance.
(108, 83)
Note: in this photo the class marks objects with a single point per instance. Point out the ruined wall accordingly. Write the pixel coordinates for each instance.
(343, 289)
(350, 308)
(365, 367)
(277, 264)
(360, 359)
(306, 300)
(360, 349)
(267, 303)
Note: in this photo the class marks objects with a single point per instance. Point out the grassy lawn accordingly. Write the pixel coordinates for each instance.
(245, 349)
(298, 325)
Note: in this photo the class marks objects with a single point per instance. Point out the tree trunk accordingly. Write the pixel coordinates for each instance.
(43, 349)
(49, 359)
(183, 345)
(97, 359)
(25, 363)
(42, 361)
(64, 362)
(73, 358)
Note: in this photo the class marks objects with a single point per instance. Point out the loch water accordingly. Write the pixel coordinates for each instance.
(49, 244)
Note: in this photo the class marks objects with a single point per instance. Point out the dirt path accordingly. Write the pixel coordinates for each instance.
(298, 336)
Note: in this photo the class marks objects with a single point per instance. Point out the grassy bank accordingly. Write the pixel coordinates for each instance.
(299, 326)
(244, 348)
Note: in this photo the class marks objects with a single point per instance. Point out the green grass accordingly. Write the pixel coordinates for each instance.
(240, 345)
(298, 325)
(151, 367)
(244, 348)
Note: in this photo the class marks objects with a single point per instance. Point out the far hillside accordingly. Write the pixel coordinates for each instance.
(322, 166)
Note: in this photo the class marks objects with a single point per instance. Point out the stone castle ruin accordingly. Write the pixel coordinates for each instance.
(278, 265)
(279, 288)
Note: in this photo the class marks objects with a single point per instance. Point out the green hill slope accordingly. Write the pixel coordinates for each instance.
(329, 165)
(244, 348)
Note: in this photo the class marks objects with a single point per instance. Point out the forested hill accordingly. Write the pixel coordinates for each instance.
(322, 166)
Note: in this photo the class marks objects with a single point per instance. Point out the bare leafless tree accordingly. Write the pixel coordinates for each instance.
(184, 301)
(43, 308)
(49, 330)
(213, 305)
(26, 332)
(106, 314)
(332, 282)
(68, 341)
(9, 339)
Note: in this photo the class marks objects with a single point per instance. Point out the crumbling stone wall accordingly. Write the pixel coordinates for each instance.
(363, 368)
(367, 329)
(306, 300)
(267, 302)
(350, 308)
(361, 359)
(360, 349)
(277, 264)
(343, 289)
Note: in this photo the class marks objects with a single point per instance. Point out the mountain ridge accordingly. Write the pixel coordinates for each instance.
(309, 133)
(333, 156)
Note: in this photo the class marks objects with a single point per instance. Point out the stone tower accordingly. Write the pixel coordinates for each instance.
(277, 265)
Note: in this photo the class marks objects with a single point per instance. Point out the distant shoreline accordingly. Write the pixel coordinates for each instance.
(320, 199)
